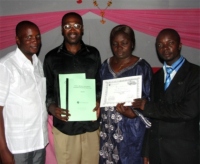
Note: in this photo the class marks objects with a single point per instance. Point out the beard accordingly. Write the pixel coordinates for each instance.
(73, 40)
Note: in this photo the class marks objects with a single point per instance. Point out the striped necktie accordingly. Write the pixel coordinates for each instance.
(168, 78)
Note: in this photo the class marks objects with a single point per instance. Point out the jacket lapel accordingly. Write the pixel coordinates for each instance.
(179, 77)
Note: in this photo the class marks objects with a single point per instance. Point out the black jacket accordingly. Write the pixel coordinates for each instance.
(60, 61)
(174, 135)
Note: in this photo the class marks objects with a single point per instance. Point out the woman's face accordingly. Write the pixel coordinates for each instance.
(121, 45)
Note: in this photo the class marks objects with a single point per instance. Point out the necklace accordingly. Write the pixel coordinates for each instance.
(122, 64)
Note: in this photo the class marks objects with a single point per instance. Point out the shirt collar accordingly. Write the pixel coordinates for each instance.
(176, 65)
(21, 58)
(62, 47)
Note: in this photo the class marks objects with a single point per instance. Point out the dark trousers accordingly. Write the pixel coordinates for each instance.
(34, 157)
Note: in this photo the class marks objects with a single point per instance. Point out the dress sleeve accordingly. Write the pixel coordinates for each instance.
(146, 80)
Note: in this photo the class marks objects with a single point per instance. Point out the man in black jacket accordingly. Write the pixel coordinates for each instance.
(174, 107)
(75, 142)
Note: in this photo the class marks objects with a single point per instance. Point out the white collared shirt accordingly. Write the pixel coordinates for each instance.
(22, 95)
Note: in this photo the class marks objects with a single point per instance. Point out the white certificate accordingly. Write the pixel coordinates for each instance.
(121, 90)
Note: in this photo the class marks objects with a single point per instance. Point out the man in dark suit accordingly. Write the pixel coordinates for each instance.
(174, 107)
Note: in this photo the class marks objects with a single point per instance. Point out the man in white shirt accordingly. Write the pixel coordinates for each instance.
(23, 115)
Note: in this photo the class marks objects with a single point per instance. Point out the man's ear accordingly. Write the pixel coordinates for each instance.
(17, 40)
(62, 31)
(82, 31)
(180, 46)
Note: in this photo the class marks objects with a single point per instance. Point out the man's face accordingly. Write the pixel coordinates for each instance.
(121, 45)
(168, 47)
(29, 40)
(72, 30)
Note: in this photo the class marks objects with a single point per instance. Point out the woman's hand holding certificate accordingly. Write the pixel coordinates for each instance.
(121, 90)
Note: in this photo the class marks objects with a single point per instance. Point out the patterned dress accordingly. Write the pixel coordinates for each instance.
(121, 137)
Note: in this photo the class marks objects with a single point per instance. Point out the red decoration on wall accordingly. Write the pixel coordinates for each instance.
(79, 1)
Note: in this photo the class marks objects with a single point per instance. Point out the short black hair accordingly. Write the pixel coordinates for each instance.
(125, 29)
(172, 31)
(23, 24)
(71, 14)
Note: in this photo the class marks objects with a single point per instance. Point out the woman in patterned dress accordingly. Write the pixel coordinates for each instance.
(122, 131)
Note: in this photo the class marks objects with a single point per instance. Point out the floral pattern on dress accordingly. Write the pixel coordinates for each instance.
(111, 118)
(121, 137)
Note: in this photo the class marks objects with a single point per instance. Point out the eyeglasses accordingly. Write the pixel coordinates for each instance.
(76, 26)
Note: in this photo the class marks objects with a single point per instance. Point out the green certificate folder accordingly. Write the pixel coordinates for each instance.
(81, 99)
(63, 89)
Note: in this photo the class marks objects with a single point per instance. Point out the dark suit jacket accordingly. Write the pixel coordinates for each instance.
(174, 135)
